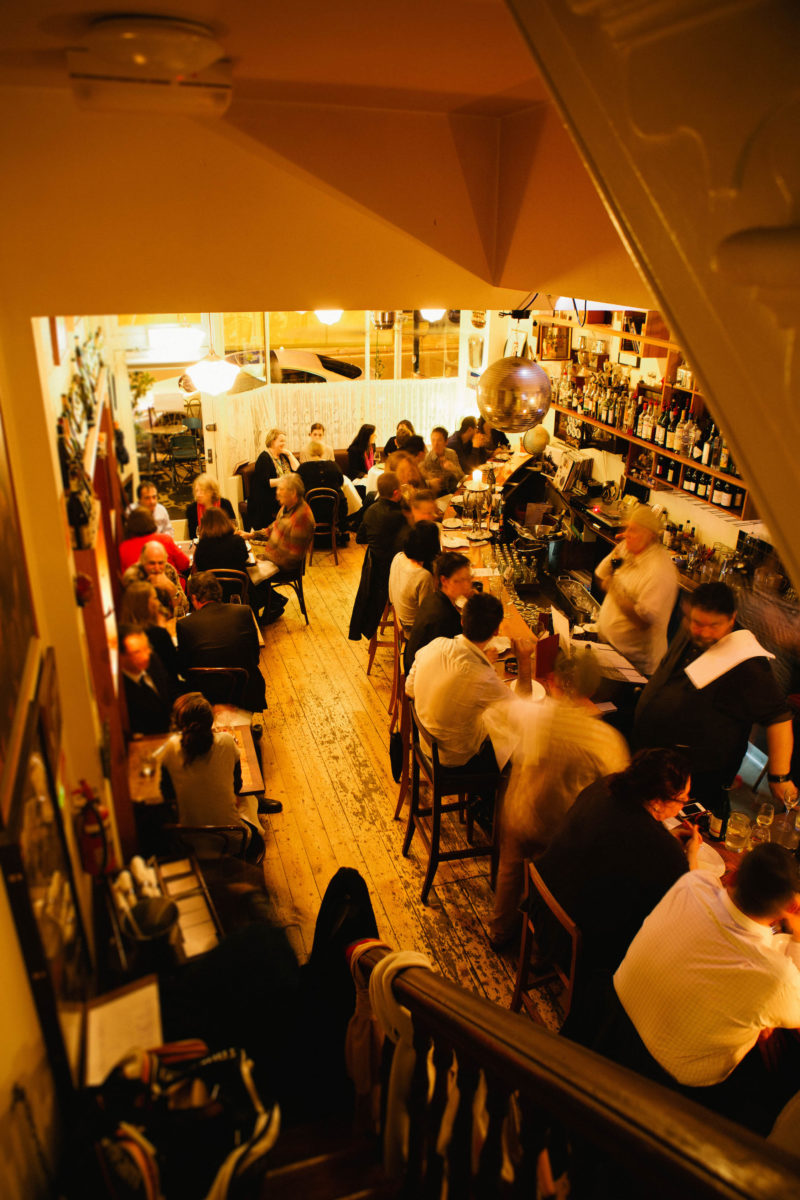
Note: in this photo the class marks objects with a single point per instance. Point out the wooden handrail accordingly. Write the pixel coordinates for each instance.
(677, 1146)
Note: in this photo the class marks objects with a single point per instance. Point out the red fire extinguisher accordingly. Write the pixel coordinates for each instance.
(93, 829)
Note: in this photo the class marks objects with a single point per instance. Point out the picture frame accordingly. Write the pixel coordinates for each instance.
(628, 358)
(38, 870)
(554, 343)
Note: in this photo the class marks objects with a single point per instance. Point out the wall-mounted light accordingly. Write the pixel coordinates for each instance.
(328, 316)
(432, 314)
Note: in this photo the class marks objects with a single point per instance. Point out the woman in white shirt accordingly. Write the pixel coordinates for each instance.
(201, 767)
(410, 578)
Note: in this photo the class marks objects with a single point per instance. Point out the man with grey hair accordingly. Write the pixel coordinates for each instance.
(641, 585)
(287, 540)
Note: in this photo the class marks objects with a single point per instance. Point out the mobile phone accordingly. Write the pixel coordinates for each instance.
(692, 812)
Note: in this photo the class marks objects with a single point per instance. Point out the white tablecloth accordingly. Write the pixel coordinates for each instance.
(354, 501)
(371, 482)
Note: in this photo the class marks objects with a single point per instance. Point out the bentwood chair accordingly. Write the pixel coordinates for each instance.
(219, 685)
(292, 579)
(324, 504)
(235, 584)
(546, 968)
(443, 781)
(214, 841)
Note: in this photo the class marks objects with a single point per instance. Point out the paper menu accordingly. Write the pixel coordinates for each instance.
(121, 1021)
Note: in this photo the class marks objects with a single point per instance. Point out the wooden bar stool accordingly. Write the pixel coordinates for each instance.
(548, 968)
(398, 675)
(385, 623)
(444, 781)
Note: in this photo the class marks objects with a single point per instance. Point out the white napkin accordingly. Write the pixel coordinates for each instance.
(724, 655)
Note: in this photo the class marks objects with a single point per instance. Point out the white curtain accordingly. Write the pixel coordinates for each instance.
(242, 420)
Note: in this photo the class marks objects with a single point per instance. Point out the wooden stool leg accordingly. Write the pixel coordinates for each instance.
(433, 856)
(413, 807)
(526, 945)
(405, 737)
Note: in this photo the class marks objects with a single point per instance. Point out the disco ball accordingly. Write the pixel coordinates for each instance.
(514, 394)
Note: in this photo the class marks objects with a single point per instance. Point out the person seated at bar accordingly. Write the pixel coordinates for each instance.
(397, 441)
(640, 582)
(154, 568)
(453, 682)
(271, 465)
(410, 577)
(201, 769)
(461, 442)
(440, 468)
(419, 506)
(563, 746)
(287, 542)
(378, 530)
(608, 865)
(206, 495)
(140, 529)
(494, 439)
(317, 434)
(711, 687)
(221, 635)
(705, 977)
(140, 606)
(361, 452)
(439, 614)
(219, 546)
(147, 497)
(148, 692)
(316, 471)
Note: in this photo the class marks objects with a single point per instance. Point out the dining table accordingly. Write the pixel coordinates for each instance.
(145, 752)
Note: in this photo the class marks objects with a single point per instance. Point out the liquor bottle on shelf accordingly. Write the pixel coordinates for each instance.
(661, 427)
(647, 424)
(684, 447)
(669, 440)
(679, 428)
(702, 486)
(726, 499)
(672, 472)
(724, 456)
(699, 442)
(716, 492)
(716, 443)
(707, 447)
(690, 480)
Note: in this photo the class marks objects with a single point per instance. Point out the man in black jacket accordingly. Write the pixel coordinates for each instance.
(148, 693)
(319, 472)
(438, 614)
(382, 522)
(221, 635)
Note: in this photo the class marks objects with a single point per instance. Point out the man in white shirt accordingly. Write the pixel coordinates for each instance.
(147, 496)
(453, 682)
(705, 976)
(641, 585)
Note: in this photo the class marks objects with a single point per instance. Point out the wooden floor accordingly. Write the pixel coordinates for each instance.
(326, 757)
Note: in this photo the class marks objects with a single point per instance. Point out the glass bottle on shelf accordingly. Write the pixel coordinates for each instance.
(707, 447)
(702, 486)
(724, 456)
(679, 432)
(672, 472)
(669, 440)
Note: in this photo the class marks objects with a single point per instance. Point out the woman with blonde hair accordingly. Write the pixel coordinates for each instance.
(220, 546)
(200, 769)
(271, 465)
(206, 496)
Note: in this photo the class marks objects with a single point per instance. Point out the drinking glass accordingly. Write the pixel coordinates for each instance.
(758, 835)
(790, 797)
(765, 814)
(738, 832)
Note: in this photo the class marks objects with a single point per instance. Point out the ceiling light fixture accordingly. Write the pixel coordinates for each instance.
(329, 316)
(432, 314)
(212, 374)
(160, 43)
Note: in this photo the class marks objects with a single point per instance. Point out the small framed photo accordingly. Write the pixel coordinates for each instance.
(555, 343)
(628, 358)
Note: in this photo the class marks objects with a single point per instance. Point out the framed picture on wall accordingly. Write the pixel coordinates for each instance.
(555, 343)
(38, 871)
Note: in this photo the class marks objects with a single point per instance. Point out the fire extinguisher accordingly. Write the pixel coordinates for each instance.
(93, 829)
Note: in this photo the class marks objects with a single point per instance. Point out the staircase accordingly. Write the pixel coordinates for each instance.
(325, 1161)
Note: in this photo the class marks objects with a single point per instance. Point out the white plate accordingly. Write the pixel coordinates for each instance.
(709, 860)
(537, 693)
(451, 523)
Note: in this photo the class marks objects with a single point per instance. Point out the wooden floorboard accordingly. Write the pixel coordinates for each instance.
(326, 758)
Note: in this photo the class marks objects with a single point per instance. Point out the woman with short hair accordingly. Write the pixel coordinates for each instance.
(201, 770)
(206, 495)
(220, 547)
(271, 465)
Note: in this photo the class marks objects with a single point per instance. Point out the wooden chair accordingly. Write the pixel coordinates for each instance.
(214, 841)
(386, 622)
(219, 685)
(183, 452)
(293, 579)
(324, 504)
(398, 677)
(551, 968)
(235, 584)
(443, 781)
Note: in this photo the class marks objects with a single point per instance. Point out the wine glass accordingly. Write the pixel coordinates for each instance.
(790, 797)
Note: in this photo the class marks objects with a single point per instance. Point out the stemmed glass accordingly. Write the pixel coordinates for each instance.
(765, 814)
(790, 798)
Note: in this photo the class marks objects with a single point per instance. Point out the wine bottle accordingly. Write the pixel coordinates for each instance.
(702, 486)
(672, 472)
(669, 440)
(726, 500)
(718, 820)
(707, 446)
(723, 456)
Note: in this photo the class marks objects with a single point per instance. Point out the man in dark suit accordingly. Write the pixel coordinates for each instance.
(382, 522)
(221, 635)
(319, 472)
(148, 693)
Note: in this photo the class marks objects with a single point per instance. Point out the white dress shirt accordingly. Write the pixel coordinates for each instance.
(452, 683)
(409, 584)
(701, 980)
(161, 518)
(650, 581)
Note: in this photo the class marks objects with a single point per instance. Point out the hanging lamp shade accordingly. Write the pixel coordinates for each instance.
(514, 394)
(328, 316)
(383, 320)
(212, 374)
(432, 314)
